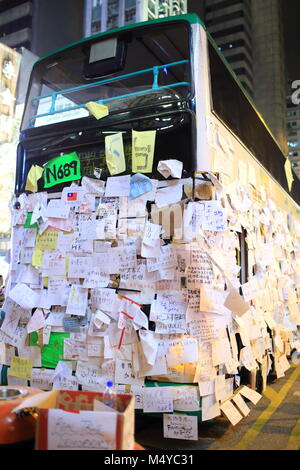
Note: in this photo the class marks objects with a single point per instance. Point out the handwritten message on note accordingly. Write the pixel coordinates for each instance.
(167, 259)
(114, 153)
(54, 263)
(58, 291)
(186, 398)
(86, 430)
(158, 400)
(42, 378)
(89, 374)
(12, 316)
(21, 367)
(96, 277)
(181, 351)
(124, 373)
(170, 324)
(204, 327)
(177, 426)
(77, 302)
(47, 241)
(198, 275)
(215, 218)
(143, 144)
(79, 266)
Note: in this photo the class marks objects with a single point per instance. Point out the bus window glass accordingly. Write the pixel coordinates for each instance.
(174, 139)
(235, 110)
(59, 90)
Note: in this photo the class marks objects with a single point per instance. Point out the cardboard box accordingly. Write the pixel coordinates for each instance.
(67, 421)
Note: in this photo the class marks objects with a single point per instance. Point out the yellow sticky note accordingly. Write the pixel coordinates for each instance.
(143, 144)
(37, 257)
(33, 176)
(47, 241)
(289, 174)
(21, 367)
(98, 110)
(114, 152)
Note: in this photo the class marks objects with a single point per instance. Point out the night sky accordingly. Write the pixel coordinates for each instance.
(291, 20)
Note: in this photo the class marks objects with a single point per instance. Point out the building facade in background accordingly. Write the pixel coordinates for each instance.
(9, 125)
(270, 79)
(230, 25)
(41, 26)
(16, 23)
(101, 15)
(250, 35)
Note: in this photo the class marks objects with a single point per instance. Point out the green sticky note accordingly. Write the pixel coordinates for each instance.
(62, 169)
(28, 222)
(53, 352)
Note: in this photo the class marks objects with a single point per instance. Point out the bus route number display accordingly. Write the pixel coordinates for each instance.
(62, 169)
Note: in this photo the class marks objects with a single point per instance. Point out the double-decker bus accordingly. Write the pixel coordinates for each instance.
(176, 277)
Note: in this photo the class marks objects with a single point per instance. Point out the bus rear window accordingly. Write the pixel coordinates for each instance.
(146, 61)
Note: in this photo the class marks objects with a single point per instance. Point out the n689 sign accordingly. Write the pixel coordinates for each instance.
(62, 169)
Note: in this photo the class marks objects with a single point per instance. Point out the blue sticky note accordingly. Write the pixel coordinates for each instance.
(139, 184)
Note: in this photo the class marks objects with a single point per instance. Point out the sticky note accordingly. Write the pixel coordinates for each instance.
(114, 152)
(62, 169)
(51, 353)
(34, 174)
(47, 241)
(21, 367)
(139, 184)
(98, 110)
(143, 144)
(37, 257)
(28, 222)
(288, 173)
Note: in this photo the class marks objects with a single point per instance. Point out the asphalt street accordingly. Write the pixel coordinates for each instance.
(273, 424)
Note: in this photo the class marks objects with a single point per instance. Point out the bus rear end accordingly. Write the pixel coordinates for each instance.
(143, 77)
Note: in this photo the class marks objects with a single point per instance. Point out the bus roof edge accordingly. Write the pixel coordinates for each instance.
(191, 18)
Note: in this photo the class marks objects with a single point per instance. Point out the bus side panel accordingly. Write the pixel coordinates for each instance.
(202, 97)
(237, 164)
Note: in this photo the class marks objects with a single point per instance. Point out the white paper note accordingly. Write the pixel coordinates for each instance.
(170, 168)
(178, 426)
(158, 400)
(252, 395)
(24, 296)
(168, 195)
(231, 412)
(238, 400)
(58, 209)
(117, 186)
(86, 430)
(77, 302)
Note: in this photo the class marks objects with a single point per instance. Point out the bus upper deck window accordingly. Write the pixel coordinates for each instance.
(104, 58)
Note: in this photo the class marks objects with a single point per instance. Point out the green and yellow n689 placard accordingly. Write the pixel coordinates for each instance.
(62, 169)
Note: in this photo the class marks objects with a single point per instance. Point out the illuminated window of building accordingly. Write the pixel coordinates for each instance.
(130, 11)
(96, 16)
(112, 14)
